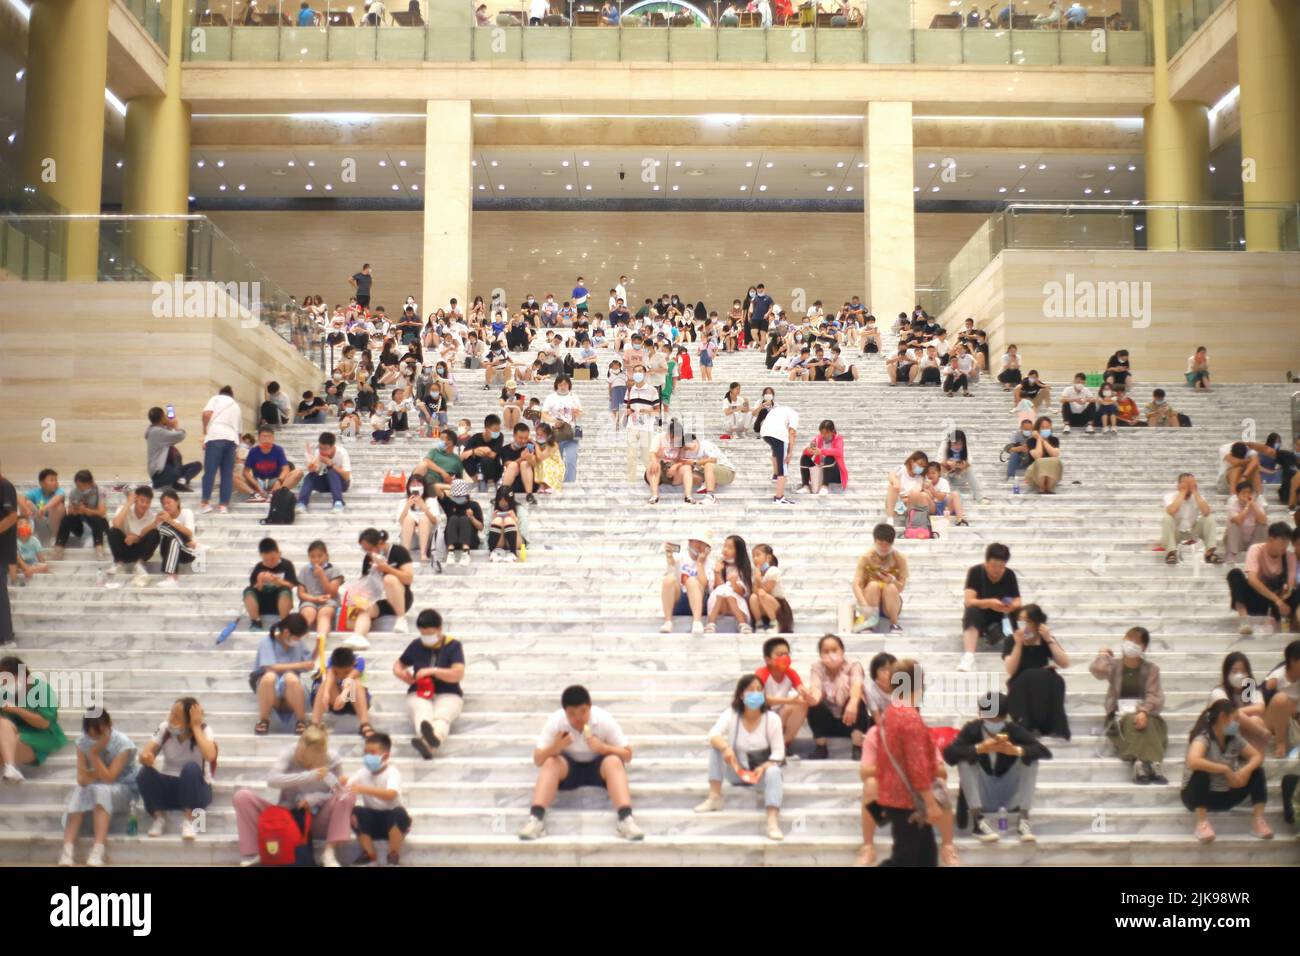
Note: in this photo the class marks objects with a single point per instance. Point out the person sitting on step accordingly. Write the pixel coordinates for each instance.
(836, 707)
(380, 816)
(1034, 390)
(1240, 686)
(581, 746)
(1222, 770)
(267, 468)
(318, 592)
(1033, 659)
(991, 601)
(906, 486)
(271, 585)
(1126, 410)
(339, 691)
(87, 506)
(747, 747)
(1247, 523)
(1267, 585)
(329, 468)
(1045, 467)
(176, 530)
(481, 454)
(1160, 414)
(464, 520)
(183, 781)
(954, 457)
(283, 658)
(30, 554)
(685, 586)
(417, 517)
(106, 784)
(391, 570)
(503, 534)
(902, 368)
(787, 695)
(432, 666)
(1187, 518)
(1238, 462)
(1009, 373)
(1134, 699)
(308, 776)
(954, 379)
(732, 583)
(1079, 404)
(134, 536)
(997, 764)
(45, 505)
(822, 463)
(768, 603)
(946, 501)
(1282, 698)
(29, 723)
(878, 582)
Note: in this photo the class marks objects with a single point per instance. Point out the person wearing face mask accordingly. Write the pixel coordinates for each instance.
(747, 748)
(417, 517)
(464, 520)
(562, 410)
(1033, 658)
(283, 658)
(503, 536)
(1161, 414)
(906, 486)
(440, 463)
(642, 411)
(954, 457)
(393, 570)
(836, 704)
(1240, 686)
(379, 814)
(481, 454)
(768, 603)
(183, 781)
(1017, 449)
(1045, 468)
(1033, 390)
(1266, 587)
(1134, 699)
(685, 586)
(1222, 770)
(432, 667)
(878, 582)
(997, 764)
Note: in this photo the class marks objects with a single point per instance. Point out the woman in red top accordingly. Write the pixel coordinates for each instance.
(822, 462)
(684, 364)
(784, 9)
(906, 746)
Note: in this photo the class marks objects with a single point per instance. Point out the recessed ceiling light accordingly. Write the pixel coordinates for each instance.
(1134, 202)
(916, 189)
(830, 189)
(191, 198)
(1021, 189)
(501, 187)
(221, 164)
(656, 187)
(1042, 166)
(384, 162)
(677, 163)
(1111, 167)
(199, 164)
(657, 163)
(12, 136)
(1002, 189)
(743, 188)
(222, 187)
(568, 187)
(565, 163)
(1023, 166)
(1138, 228)
(862, 165)
(402, 163)
(749, 164)
(934, 189)
(481, 186)
(762, 189)
(1132, 168)
(291, 164)
(119, 164)
(675, 188)
(1105, 192)
(311, 163)
(415, 187)
(930, 166)
(308, 187)
(242, 187)
(1088, 191)
(839, 165)
(769, 165)
(848, 189)
(586, 162)
(19, 75)
(473, 162)
(328, 187)
(396, 187)
(588, 187)
(493, 163)
(1211, 167)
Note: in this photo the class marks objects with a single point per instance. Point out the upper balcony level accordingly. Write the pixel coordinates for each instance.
(931, 32)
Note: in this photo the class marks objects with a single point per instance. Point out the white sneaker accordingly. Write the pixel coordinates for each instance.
(697, 627)
(510, 557)
(1026, 834)
(401, 626)
(140, 568)
(66, 857)
(328, 858)
(249, 860)
(355, 642)
(1067, 429)
(803, 490)
(666, 627)
(206, 510)
(140, 581)
(169, 582)
(117, 568)
(823, 491)
(158, 826)
(12, 774)
(712, 804)
(628, 829)
(1089, 430)
(984, 832)
(966, 663)
(1245, 630)
(534, 829)
(494, 557)
(187, 829)
(96, 857)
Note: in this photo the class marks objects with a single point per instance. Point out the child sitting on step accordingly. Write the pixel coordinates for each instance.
(378, 814)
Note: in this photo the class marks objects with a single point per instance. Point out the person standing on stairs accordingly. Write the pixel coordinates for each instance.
(780, 430)
(747, 747)
(1134, 699)
(581, 746)
(221, 426)
(906, 770)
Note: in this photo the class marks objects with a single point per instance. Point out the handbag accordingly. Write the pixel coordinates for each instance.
(563, 432)
(937, 789)
(753, 758)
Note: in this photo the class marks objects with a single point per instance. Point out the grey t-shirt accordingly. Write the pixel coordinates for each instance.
(311, 581)
(88, 498)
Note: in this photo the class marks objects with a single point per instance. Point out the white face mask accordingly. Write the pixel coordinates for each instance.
(1131, 649)
(430, 640)
(1237, 680)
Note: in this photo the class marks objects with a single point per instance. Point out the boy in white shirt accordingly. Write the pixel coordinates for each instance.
(378, 814)
(1078, 404)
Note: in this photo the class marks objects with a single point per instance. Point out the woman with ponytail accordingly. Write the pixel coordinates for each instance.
(1222, 770)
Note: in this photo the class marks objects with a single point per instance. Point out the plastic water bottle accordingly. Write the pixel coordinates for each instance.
(1002, 819)
(1015, 485)
(101, 578)
(523, 551)
(133, 821)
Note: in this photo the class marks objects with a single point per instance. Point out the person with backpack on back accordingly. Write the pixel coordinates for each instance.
(308, 775)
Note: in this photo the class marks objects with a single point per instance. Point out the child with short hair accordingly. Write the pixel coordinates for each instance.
(31, 554)
(786, 694)
(318, 591)
(378, 814)
(341, 692)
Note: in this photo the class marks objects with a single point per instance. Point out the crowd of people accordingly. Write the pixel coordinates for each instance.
(400, 380)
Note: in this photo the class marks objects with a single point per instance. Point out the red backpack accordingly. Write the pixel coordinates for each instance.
(281, 841)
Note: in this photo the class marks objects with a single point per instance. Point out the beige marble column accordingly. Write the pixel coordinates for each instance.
(448, 203)
(890, 217)
(1268, 45)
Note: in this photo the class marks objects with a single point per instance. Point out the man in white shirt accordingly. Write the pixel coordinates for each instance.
(1187, 517)
(1247, 522)
(1078, 404)
(581, 746)
(134, 536)
(329, 468)
(620, 290)
(643, 408)
(222, 419)
(780, 431)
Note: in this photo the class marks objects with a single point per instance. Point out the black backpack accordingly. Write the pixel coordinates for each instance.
(568, 365)
(270, 414)
(283, 508)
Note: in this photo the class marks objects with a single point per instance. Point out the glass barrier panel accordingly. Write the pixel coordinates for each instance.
(693, 45)
(742, 45)
(646, 44)
(790, 44)
(845, 44)
(596, 44)
(986, 47)
(544, 44)
(400, 44)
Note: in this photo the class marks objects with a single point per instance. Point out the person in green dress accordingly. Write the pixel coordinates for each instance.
(666, 393)
(1134, 700)
(29, 730)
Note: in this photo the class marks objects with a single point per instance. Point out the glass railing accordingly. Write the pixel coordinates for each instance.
(197, 270)
(1042, 32)
(154, 16)
(1187, 227)
(1183, 18)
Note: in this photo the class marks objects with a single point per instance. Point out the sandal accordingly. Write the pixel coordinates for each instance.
(746, 629)
(299, 727)
(653, 501)
(1171, 557)
(1212, 556)
(961, 523)
(710, 628)
(1204, 832)
(262, 728)
(365, 730)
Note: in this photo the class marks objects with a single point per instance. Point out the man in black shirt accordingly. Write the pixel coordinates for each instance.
(482, 453)
(433, 666)
(361, 282)
(311, 410)
(992, 599)
(8, 553)
(517, 459)
(271, 585)
(408, 326)
(619, 314)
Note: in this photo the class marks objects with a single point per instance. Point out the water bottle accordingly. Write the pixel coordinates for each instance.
(132, 821)
(101, 578)
(523, 551)
(1015, 485)
(1002, 820)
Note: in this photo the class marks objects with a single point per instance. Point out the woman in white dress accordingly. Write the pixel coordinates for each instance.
(733, 582)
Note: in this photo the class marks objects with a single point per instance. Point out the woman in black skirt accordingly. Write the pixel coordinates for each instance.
(1036, 692)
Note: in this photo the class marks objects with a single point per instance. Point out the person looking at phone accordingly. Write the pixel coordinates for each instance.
(163, 459)
(518, 459)
(991, 600)
(267, 467)
(581, 746)
(878, 582)
(1045, 468)
(685, 586)
(329, 468)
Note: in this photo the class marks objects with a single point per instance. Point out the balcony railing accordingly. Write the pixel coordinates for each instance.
(1106, 225)
(216, 279)
(1038, 33)
(1183, 18)
(154, 16)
